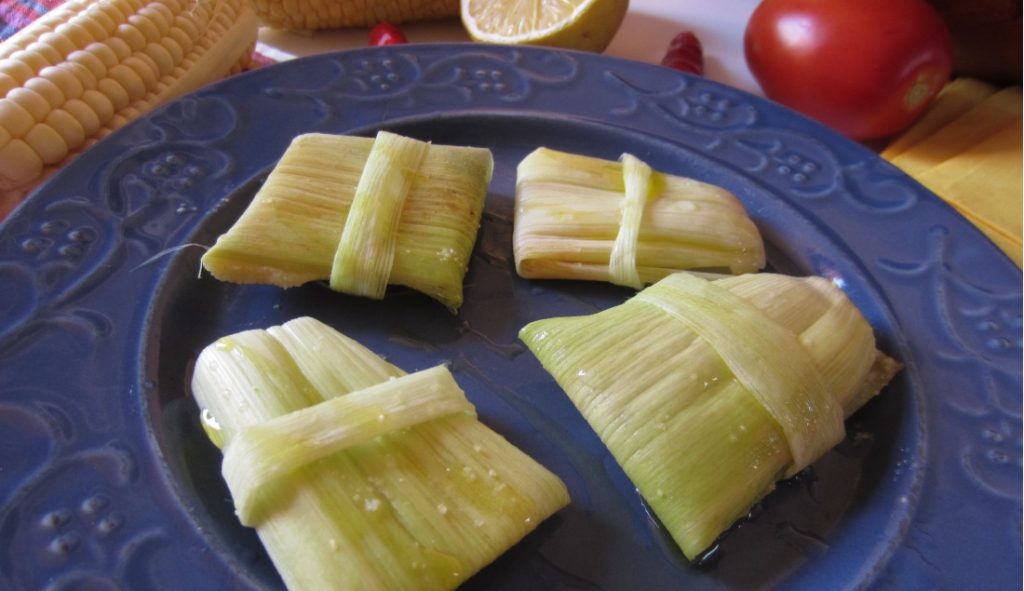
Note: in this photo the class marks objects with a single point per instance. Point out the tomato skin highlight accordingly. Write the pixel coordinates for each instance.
(866, 68)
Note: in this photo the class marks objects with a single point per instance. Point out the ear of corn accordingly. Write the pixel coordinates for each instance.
(676, 383)
(90, 66)
(356, 476)
(338, 14)
(297, 228)
(585, 218)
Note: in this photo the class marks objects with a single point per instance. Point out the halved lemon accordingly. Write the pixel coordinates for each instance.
(573, 24)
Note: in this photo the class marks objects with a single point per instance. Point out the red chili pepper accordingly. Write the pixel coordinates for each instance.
(685, 54)
(386, 34)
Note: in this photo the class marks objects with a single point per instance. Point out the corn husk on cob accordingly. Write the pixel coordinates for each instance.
(356, 475)
(578, 217)
(362, 213)
(88, 67)
(708, 392)
(339, 14)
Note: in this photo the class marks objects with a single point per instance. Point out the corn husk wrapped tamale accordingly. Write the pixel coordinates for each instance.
(357, 475)
(708, 392)
(362, 213)
(578, 217)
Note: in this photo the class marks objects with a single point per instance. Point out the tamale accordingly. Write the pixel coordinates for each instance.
(362, 213)
(356, 475)
(578, 217)
(708, 392)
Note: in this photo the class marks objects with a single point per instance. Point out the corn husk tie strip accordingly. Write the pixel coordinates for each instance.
(679, 415)
(362, 477)
(272, 450)
(366, 250)
(622, 261)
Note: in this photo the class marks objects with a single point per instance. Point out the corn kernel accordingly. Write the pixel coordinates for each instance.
(100, 100)
(114, 92)
(32, 59)
(130, 34)
(19, 163)
(75, 33)
(85, 115)
(69, 128)
(49, 144)
(14, 117)
(20, 71)
(68, 84)
(91, 60)
(48, 90)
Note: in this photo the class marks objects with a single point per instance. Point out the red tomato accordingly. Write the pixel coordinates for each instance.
(866, 68)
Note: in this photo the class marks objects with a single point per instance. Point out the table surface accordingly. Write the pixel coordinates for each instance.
(644, 36)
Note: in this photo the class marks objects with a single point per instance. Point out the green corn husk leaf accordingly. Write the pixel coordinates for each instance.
(423, 505)
(291, 232)
(676, 414)
(569, 210)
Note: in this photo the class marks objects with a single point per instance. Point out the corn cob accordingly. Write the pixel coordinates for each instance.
(707, 393)
(355, 475)
(363, 213)
(90, 66)
(337, 14)
(578, 217)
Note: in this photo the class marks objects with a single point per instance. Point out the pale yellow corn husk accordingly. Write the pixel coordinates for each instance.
(293, 231)
(574, 221)
(702, 438)
(341, 14)
(90, 66)
(360, 477)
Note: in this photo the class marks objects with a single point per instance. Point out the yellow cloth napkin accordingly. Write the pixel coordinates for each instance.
(968, 150)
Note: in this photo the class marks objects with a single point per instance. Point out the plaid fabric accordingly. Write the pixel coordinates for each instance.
(15, 14)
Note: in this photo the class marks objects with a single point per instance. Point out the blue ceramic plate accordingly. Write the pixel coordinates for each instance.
(106, 480)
